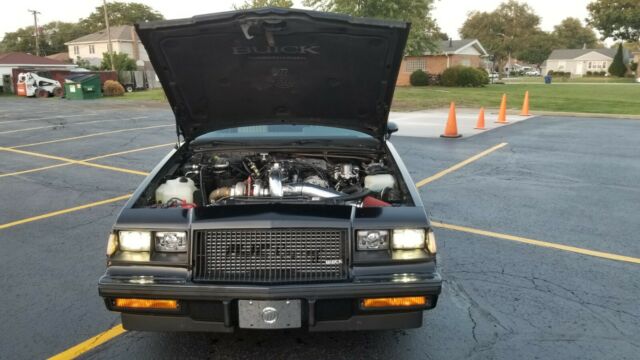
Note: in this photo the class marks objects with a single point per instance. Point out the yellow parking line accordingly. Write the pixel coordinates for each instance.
(535, 242)
(22, 172)
(129, 151)
(67, 124)
(459, 165)
(89, 344)
(63, 211)
(87, 136)
(79, 162)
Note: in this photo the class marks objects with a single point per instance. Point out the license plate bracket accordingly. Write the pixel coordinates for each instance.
(269, 314)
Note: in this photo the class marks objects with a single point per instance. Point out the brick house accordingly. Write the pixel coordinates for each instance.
(467, 52)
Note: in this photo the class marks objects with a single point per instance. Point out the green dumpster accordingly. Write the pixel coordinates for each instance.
(82, 86)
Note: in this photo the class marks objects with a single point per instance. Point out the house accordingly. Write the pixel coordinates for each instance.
(579, 61)
(467, 52)
(13, 60)
(123, 38)
(61, 56)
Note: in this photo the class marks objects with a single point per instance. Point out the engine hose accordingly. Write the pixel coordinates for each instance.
(355, 196)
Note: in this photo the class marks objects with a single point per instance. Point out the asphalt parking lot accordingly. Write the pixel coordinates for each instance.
(538, 236)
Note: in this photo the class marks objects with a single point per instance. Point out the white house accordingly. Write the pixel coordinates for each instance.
(579, 61)
(123, 38)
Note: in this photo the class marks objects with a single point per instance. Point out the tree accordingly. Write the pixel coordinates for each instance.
(617, 67)
(504, 30)
(254, 4)
(53, 35)
(21, 40)
(120, 13)
(86, 64)
(423, 27)
(619, 19)
(121, 61)
(539, 47)
(572, 35)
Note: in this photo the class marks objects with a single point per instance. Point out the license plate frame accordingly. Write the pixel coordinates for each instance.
(269, 314)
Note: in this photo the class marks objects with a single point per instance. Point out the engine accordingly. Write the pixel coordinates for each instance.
(215, 179)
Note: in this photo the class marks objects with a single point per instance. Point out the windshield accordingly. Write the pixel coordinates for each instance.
(283, 131)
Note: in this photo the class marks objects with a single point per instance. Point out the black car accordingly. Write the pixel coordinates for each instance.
(285, 206)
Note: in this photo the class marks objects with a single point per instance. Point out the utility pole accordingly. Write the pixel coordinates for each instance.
(110, 45)
(35, 25)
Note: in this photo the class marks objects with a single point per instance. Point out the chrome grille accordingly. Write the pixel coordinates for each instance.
(269, 255)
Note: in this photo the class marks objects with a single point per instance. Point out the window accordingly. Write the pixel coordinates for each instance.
(465, 62)
(76, 50)
(414, 64)
(283, 131)
(92, 49)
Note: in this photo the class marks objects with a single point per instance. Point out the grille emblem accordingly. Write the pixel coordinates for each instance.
(269, 315)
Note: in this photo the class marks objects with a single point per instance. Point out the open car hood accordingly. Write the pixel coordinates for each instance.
(276, 66)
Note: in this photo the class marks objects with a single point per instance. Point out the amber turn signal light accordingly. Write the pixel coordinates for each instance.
(394, 302)
(146, 304)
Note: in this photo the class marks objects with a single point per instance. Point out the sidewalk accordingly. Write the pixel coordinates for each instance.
(430, 123)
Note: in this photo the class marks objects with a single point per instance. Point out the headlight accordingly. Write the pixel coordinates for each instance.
(373, 239)
(171, 241)
(431, 242)
(135, 240)
(408, 239)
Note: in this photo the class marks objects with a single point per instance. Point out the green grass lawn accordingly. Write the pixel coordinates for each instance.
(562, 97)
(575, 80)
(582, 98)
(145, 95)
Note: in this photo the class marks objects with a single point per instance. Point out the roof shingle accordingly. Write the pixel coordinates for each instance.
(28, 59)
(563, 54)
(118, 33)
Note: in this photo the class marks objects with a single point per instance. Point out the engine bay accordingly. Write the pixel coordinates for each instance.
(208, 178)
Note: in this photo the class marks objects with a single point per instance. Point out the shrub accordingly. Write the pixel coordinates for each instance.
(484, 75)
(113, 88)
(464, 76)
(590, 73)
(617, 67)
(419, 78)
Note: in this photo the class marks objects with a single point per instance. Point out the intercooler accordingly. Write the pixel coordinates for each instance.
(269, 255)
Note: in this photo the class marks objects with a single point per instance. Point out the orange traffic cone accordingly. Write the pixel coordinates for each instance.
(480, 123)
(525, 105)
(451, 129)
(502, 115)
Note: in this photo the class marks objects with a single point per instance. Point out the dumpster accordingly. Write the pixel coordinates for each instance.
(82, 86)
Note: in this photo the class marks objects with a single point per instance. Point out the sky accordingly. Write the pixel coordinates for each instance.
(450, 14)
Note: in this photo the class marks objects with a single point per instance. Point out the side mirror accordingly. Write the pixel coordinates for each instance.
(391, 128)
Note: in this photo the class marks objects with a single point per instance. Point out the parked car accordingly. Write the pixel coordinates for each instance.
(532, 72)
(286, 205)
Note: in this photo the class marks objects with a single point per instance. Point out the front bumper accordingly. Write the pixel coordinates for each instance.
(213, 307)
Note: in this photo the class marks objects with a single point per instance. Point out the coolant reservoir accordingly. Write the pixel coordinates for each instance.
(179, 188)
(379, 182)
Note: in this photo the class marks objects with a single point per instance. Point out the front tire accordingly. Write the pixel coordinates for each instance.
(42, 93)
